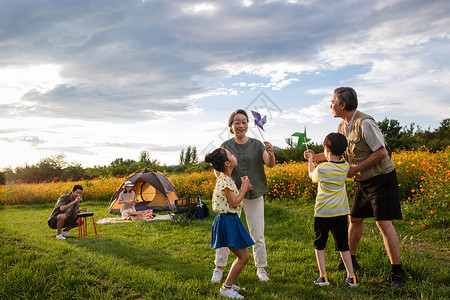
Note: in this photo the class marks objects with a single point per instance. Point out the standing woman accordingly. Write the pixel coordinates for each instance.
(251, 155)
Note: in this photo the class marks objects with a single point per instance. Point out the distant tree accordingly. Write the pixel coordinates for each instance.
(189, 157)
(293, 153)
(121, 162)
(407, 137)
(182, 157)
(290, 153)
(98, 171)
(50, 167)
(391, 130)
(2, 178)
(136, 166)
(144, 157)
(433, 140)
(9, 174)
(116, 162)
(443, 135)
(146, 162)
(194, 156)
(73, 171)
(119, 170)
(414, 137)
(46, 169)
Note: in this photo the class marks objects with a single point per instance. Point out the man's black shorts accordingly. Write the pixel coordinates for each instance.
(377, 197)
(68, 223)
(338, 227)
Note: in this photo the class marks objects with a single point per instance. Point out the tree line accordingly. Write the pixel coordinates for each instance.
(56, 168)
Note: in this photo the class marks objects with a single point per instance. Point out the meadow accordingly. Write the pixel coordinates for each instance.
(160, 260)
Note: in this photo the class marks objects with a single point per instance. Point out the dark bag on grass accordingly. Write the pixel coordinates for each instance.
(201, 212)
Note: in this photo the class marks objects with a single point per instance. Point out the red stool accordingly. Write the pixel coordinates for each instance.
(82, 225)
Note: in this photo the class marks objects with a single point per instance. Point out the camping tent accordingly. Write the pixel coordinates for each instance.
(153, 191)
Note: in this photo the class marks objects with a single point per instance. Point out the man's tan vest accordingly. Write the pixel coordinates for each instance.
(357, 150)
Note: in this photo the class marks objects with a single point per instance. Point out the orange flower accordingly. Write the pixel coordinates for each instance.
(412, 223)
(423, 226)
(432, 212)
(413, 191)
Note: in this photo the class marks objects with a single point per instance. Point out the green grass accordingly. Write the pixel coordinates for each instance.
(158, 260)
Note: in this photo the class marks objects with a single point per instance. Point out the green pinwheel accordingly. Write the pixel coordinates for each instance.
(302, 139)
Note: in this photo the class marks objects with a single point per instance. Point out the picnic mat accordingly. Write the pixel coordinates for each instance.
(124, 220)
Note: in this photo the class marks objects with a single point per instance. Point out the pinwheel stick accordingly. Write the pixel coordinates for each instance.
(260, 133)
(306, 144)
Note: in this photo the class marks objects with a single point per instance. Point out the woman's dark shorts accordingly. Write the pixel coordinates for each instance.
(68, 223)
(377, 197)
(338, 227)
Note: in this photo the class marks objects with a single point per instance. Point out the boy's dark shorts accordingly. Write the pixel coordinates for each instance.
(68, 222)
(338, 227)
(377, 197)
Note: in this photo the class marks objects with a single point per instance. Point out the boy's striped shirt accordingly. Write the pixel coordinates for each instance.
(331, 199)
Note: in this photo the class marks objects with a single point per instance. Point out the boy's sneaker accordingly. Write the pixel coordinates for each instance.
(230, 293)
(217, 275)
(262, 274)
(65, 233)
(352, 281)
(397, 280)
(322, 280)
(60, 237)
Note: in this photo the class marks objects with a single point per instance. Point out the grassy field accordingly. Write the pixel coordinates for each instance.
(158, 260)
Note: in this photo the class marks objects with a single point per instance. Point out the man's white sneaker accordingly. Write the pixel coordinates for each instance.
(262, 274)
(217, 275)
(230, 293)
(60, 237)
(65, 233)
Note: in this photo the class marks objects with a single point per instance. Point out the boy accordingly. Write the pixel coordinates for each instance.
(331, 209)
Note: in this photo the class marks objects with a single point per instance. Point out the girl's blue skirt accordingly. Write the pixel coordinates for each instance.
(228, 231)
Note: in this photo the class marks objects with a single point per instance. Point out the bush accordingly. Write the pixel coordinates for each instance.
(94, 190)
(423, 182)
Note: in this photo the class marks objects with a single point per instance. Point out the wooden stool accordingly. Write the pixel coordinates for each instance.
(82, 225)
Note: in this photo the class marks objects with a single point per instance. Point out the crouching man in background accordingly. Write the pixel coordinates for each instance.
(64, 215)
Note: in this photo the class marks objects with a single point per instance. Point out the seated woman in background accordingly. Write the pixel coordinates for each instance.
(128, 200)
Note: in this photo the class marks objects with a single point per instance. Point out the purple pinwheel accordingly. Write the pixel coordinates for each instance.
(259, 122)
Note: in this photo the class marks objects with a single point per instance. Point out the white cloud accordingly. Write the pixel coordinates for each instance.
(203, 8)
(314, 114)
(247, 3)
(16, 81)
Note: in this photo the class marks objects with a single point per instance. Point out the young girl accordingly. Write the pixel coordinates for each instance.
(227, 229)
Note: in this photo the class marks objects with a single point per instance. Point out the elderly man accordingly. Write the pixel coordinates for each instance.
(376, 187)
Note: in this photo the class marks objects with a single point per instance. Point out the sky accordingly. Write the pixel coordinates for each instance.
(100, 80)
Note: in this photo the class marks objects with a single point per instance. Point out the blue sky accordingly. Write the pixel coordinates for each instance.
(99, 80)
